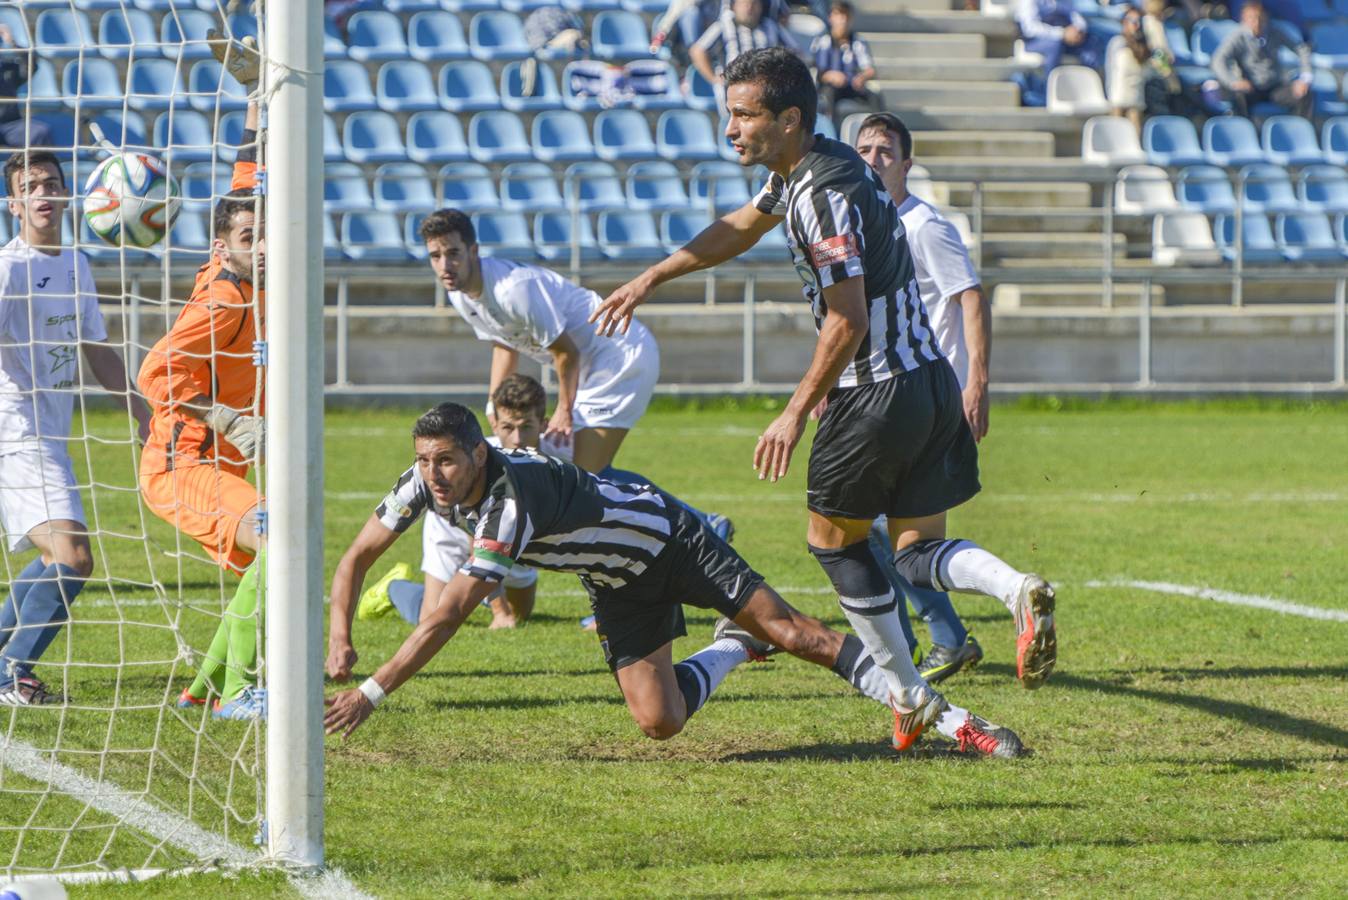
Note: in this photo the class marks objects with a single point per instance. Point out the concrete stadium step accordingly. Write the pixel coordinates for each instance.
(1070, 296)
(885, 9)
(948, 117)
(902, 95)
(919, 69)
(1001, 145)
(937, 21)
(1027, 195)
(1002, 245)
(1085, 220)
(941, 47)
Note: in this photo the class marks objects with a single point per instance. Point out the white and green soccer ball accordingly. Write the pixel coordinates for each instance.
(131, 200)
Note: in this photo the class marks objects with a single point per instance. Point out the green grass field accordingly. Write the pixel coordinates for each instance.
(1184, 746)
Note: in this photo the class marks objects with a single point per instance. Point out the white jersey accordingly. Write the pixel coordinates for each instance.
(47, 308)
(944, 270)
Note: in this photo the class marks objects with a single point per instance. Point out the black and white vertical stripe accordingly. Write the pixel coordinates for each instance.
(730, 38)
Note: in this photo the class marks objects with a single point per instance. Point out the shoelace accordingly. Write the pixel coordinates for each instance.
(969, 733)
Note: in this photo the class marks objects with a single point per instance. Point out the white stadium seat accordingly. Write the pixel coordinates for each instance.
(997, 9)
(1144, 191)
(1183, 239)
(1111, 141)
(1025, 57)
(1076, 91)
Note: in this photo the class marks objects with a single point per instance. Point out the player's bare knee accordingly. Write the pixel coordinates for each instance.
(660, 725)
(76, 555)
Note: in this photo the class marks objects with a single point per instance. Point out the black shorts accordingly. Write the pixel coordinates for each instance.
(697, 568)
(899, 448)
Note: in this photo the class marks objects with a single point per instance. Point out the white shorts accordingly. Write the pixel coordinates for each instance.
(617, 381)
(37, 484)
(444, 549)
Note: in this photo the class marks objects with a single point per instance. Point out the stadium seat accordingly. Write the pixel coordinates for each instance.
(154, 84)
(42, 90)
(1143, 191)
(184, 136)
(824, 126)
(1267, 189)
(1290, 141)
(685, 134)
(655, 186)
(92, 83)
(333, 151)
(1231, 141)
(700, 95)
(553, 233)
(629, 235)
(1171, 141)
(1331, 46)
(401, 7)
(345, 189)
(678, 228)
(497, 35)
(469, 6)
(1110, 141)
(436, 37)
(1179, 42)
(405, 86)
(1205, 189)
(503, 234)
(402, 187)
(190, 233)
(238, 25)
(560, 135)
(772, 246)
(1325, 94)
(545, 93)
(333, 45)
(583, 6)
(525, 6)
(594, 184)
(346, 87)
(1340, 224)
(727, 178)
(498, 136)
(12, 17)
(1323, 189)
(571, 99)
(1076, 91)
(467, 86)
(372, 237)
(622, 134)
(332, 248)
(1307, 237)
(1258, 245)
(1183, 238)
(119, 30)
(412, 242)
(530, 187)
(1307, 13)
(1334, 140)
(619, 35)
(373, 136)
(436, 137)
(126, 130)
(645, 6)
(467, 186)
(63, 33)
(202, 182)
(374, 35)
(210, 88)
(1206, 36)
(183, 35)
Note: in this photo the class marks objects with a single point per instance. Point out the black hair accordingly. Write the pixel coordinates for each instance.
(444, 222)
(522, 394)
(227, 207)
(453, 421)
(840, 6)
(22, 160)
(890, 122)
(784, 79)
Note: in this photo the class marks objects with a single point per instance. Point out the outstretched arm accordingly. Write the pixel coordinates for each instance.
(374, 539)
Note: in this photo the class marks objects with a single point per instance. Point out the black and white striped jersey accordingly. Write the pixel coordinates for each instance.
(841, 223)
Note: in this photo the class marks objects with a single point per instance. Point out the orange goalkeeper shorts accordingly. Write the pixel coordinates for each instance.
(207, 505)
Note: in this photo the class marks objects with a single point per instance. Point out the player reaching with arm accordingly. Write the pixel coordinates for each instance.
(893, 440)
(48, 316)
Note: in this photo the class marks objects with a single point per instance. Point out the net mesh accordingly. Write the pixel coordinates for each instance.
(118, 776)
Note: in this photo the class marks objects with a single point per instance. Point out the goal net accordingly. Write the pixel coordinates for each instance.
(116, 776)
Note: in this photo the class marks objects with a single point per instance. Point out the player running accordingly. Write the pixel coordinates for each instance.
(893, 440)
(640, 556)
(48, 315)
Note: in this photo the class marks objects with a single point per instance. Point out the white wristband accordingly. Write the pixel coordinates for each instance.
(491, 410)
(372, 691)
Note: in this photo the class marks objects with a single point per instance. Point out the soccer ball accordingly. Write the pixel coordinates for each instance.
(131, 199)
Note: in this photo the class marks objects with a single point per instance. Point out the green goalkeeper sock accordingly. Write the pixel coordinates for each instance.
(241, 618)
(229, 642)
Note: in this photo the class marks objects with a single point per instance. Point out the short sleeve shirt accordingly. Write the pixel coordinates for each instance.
(944, 271)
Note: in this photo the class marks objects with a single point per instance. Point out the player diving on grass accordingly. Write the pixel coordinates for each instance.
(48, 316)
(893, 440)
(640, 555)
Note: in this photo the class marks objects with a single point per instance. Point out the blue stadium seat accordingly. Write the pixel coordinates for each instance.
(1268, 190)
(119, 30)
(333, 151)
(230, 129)
(731, 191)
(373, 136)
(333, 45)
(461, 6)
(1207, 35)
(372, 237)
(467, 186)
(672, 98)
(412, 242)
(467, 86)
(619, 35)
(374, 35)
(545, 95)
(211, 87)
(530, 187)
(823, 125)
(1340, 224)
(678, 228)
(1334, 140)
(345, 189)
(647, 7)
(155, 6)
(184, 35)
(525, 6)
(405, 86)
(332, 248)
(497, 35)
(498, 136)
(584, 6)
(1171, 141)
(184, 136)
(238, 25)
(436, 37)
(1179, 42)
(93, 83)
(1307, 237)
(1325, 94)
(685, 134)
(126, 130)
(1231, 141)
(12, 16)
(154, 84)
(1257, 234)
(594, 184)
(503, 234)
(1331, 46)
(560, 135)
(190, 233)
(655, 186)
(436, 137)
(42, 90)
(553, 235)
(1290, 141)
(402, 7)
(771, 246)
(701, 95)
(1205, 189)
(63, 33)
(346, 87)
(1323, 189)
(202, 182)
(629, 235)
(401, 187)
(622, 134)
(573, 100)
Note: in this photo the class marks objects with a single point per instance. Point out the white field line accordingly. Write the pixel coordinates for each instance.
(793, 496)
(1257, 601)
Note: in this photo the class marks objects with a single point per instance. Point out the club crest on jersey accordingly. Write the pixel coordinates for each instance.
(392, 503)
(491, 546)
(833, 250)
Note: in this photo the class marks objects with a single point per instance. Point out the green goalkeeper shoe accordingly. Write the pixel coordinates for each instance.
(375, 602)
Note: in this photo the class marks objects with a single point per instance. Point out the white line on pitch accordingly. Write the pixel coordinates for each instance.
(1258, 601)
(793, 496)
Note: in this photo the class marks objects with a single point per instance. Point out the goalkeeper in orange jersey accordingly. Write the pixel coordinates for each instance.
(205, 391)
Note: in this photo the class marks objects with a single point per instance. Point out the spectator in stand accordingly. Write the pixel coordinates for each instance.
(1053, 28)
(1131, 77)
(843, 61)
(741, 28)
(1247, 65)
(14, 130)
(688, 19)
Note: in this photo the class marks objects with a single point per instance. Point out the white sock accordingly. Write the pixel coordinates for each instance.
(971, 569)
(883, 636)
(708, 667)
(951, 720)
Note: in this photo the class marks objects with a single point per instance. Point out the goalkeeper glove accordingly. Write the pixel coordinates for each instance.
(240, 58)
(246, 433)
